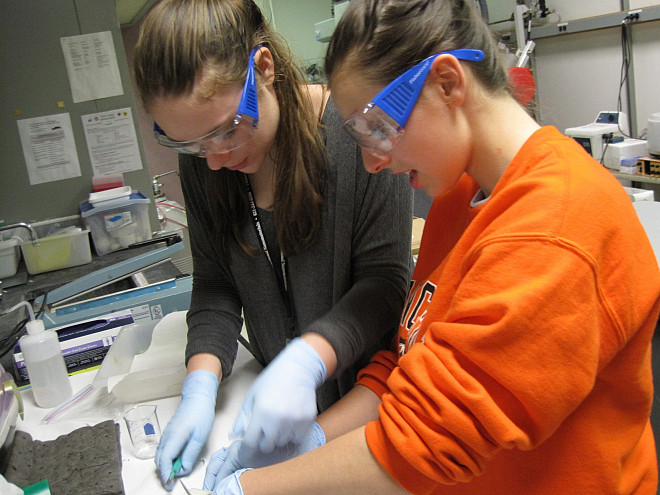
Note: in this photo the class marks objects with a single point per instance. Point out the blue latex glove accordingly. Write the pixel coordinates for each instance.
(280, 407)
(230, 459)
(187, 431)
(229, 485)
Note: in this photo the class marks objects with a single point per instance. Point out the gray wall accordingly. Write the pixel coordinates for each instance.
(34, 80)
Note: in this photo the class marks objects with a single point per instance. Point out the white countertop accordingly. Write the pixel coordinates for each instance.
(140, 476)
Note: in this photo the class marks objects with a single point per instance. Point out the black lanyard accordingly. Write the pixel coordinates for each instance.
(284, 285)
(262, 237)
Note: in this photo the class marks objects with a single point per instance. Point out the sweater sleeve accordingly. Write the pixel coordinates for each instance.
(499, 366)
(380, 268)
(214, 317)
(375, 210)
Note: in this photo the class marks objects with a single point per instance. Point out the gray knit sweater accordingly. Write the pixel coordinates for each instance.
(349, 286)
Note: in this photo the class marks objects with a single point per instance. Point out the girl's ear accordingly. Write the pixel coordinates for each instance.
(265, 65)
(449, 79)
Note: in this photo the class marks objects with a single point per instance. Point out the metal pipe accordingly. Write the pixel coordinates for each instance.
(33, 233)
(155, 185)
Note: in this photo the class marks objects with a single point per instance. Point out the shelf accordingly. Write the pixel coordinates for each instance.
(645, 14)
(637, 178)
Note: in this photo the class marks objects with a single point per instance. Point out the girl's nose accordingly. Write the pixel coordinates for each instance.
(216, 160)
(374, 163)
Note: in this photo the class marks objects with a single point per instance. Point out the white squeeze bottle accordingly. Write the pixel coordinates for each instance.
(45, 365)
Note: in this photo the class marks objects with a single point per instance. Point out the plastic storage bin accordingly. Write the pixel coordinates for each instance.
(57, 251)
(62, 243)
(117, 223)
(10, 255)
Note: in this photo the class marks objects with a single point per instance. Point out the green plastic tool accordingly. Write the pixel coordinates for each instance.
(41, 488)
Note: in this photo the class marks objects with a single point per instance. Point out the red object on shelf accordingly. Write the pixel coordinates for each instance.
(105, 182)
(523, 85)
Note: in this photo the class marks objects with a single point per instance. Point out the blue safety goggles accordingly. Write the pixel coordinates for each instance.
(227, 137)
(379, 125)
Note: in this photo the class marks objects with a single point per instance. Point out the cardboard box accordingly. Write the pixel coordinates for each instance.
(417, 230)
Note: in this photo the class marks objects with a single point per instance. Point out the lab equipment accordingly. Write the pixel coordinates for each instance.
(649, 165)
(281, 405)
(83, 344)
(185, 488)
(132, 339)
(635, 194)
(143, 429)
(45, 362)
(11, 406)
(653, 134)
(592, 137)
(158, 299)
(629, 166)
(176, 467)
(189, 428)
(615, 153)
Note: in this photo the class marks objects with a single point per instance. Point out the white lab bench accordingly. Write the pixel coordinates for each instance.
(140, 476)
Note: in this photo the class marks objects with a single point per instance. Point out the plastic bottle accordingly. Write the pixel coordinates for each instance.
(45, 364)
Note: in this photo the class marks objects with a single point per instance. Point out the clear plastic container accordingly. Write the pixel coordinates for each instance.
(10, 255)
(116, 224)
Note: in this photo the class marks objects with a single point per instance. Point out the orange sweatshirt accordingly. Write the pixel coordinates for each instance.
(524, 358)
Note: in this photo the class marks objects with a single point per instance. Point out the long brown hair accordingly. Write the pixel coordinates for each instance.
(181, 38)
(384, 38)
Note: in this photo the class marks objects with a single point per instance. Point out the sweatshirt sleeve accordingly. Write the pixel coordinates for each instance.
(374, 376)
(499, 366)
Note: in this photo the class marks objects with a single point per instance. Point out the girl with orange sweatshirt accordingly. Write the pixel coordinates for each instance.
(523, 360)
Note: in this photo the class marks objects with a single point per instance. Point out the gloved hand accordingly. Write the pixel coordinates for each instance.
(187, 431)
(281, 404)
(230, 459)
(229, 485)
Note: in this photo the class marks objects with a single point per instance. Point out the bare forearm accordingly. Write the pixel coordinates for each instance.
(324, 349)
(205, 361)
(355, 409)
(343, 466)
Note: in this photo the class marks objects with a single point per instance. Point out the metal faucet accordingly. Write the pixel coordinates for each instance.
(33, 233)
(155, 185)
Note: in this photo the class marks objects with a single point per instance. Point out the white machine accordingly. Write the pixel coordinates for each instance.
(592, 136)
(654, 134)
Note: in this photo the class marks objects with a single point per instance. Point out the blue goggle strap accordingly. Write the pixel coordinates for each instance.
(399, 97)
(158, 130)
(248, 104)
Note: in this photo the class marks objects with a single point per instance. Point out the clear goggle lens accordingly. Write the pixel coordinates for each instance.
(222, 140)
(373, 130)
